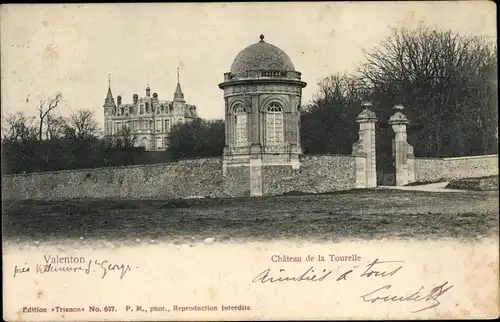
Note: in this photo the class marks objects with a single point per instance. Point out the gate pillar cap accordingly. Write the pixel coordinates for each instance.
(398, 118)
(366, 116)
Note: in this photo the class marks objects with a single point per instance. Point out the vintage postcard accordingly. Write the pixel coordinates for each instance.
(249, 161)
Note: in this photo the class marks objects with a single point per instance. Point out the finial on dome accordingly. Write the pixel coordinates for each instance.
(261, 37)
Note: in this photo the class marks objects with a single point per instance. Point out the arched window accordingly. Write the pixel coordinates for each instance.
(274, 124)
(240, 126)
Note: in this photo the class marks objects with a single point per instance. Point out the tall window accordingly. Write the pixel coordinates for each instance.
(158, 143)
(240, 126)
(167, 125)
(274, 124)
(159, 124)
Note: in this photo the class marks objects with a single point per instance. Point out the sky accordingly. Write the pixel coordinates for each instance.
(50, 48)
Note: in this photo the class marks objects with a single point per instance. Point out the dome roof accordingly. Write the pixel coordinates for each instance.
(261, 56)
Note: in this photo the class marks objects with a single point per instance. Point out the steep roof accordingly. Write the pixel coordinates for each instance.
(178, 92)
(109, 101)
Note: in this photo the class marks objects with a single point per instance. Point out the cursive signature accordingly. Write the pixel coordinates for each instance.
(105, 267)
(309, 276)
(431, 296)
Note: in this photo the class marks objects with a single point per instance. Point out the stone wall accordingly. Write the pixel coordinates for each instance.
(317, 174)
(436, 169)
(204, 178)
(191, 178)
(237, 181)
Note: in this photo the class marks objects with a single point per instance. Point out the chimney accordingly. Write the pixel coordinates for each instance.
(119, 100)
(155, 96)
(148, 91)
(136, 98)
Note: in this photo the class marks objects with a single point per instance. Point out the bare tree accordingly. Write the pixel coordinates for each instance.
(44, 109)
(19, 127)
(327, 124)
(443, 78)
(341, 89)
(55, 127)
(82, 125)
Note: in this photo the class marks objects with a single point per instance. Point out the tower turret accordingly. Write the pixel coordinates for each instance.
(178, 95)
(109, 101)
(109, 108)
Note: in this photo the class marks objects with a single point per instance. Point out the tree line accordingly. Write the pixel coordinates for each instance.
(447, 83)
(47, 142)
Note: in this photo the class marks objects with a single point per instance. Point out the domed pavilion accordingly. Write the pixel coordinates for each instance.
(262, 94)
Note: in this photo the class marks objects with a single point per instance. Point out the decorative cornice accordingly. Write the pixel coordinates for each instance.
(262, 81)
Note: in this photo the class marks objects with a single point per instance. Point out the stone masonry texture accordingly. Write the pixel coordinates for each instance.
(317, 174)
(184, 179)
(204, 178)
(436, 169)
(170, 180)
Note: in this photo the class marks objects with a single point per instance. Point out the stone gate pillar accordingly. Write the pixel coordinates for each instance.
(364, 149)
(402, 150)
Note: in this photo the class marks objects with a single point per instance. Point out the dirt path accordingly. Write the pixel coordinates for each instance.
(431, 187)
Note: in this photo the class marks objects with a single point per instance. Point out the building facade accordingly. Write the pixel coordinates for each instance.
(147, 121)
(262, 94)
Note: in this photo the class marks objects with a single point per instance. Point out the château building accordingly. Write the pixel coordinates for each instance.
(262, 94)
(147, 120)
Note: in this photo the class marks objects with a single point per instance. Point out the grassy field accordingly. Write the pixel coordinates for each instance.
(374, 214)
